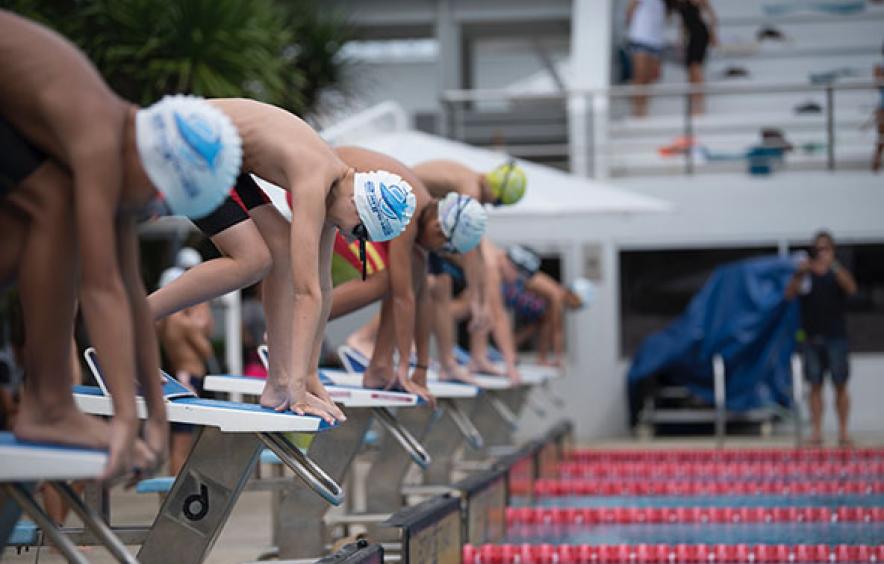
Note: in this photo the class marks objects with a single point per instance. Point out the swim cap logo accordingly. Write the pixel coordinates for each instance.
(395, 199)
(199, 136)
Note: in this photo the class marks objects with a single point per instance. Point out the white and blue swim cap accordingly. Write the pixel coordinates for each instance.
(191, 152)
(385, 203)
(463, 221)
(585, 291)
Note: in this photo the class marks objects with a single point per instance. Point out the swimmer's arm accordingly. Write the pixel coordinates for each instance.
(501, 328)
(326, 242)
(307, 230)
(103, 298)
(424, 317)
(147, 354)
(402, 289)
(356, 294)
(473, 264)
(552, 292)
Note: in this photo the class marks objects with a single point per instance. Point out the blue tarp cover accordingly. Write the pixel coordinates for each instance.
(740, 313)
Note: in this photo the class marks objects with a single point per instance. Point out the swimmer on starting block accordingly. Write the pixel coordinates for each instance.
(256, 240)
(539, 304)
(454, 224)
(505, 185)
(77, 165)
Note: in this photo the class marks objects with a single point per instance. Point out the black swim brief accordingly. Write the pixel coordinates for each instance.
(18, 158)
(245, 196)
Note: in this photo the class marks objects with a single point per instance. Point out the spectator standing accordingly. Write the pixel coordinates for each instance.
(822, 286)
(646, 20)
(698, 29)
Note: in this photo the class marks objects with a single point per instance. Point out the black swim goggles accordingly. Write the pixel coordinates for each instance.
(360, 232)
(448, 246)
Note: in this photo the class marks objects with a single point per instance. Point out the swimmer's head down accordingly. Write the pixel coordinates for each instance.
(581, 293)
(190, 151)
(385, 204)
(507, 183)
(525, 260)
(463, 221)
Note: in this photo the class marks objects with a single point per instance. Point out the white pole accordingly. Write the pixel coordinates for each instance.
(233, 335)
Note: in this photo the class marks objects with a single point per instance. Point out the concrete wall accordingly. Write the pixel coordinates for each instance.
(713, 210)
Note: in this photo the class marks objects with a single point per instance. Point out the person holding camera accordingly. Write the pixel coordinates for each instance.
(823, 286)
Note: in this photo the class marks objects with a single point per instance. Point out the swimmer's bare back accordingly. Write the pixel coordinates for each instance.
(278, 146)
(51, 93)
(443, 176)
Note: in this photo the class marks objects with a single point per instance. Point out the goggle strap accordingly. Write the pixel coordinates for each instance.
(363, 255)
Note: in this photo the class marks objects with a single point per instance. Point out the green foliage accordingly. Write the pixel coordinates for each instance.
(281, 52)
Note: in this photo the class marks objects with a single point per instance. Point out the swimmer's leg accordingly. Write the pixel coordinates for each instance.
(246, 261)
(47, 287)
(363, 339)
(379, 373)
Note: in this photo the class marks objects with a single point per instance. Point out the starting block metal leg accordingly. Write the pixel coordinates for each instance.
(448, 435)
(493, 424)
(299, 527)
(20, 495)
(95, 523)
(202, 497)
(388, 473)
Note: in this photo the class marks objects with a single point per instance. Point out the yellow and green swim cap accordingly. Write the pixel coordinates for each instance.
(507, 183)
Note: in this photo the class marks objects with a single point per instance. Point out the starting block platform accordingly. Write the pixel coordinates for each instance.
(228, 440)
(24, 464)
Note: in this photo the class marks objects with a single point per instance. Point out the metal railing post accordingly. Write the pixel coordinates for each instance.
(688, 134)
(830, 127)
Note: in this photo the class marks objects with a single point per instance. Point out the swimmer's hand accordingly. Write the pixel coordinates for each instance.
(417, 384)
(315, 387)
(123, 434)
(305, 403)
(480, 316)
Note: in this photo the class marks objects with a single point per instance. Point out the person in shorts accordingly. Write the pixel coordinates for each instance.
(822, 285)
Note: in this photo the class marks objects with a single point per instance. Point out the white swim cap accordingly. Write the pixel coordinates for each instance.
(170, 275)
(191, 152)
(385, 203)
(585, 291)
(525, 260)
(188, 257)
(463, 221)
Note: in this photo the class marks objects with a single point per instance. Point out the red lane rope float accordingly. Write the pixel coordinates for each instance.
(726, 455)
(578, 516)
(722, 470)
(669, 553)
(558, 488)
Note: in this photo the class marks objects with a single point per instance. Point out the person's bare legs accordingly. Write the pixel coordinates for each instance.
(363, 339)
(842, 406)
(47, 276)
(246, 261)
(379, 373)
(816, 413)
(695, 77)
(641, 76)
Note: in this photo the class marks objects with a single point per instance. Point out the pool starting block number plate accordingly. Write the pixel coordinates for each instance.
(431, 531)
(30, 462)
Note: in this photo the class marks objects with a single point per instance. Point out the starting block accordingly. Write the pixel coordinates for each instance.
(299, 522)
(227, 443)
(24, 464)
